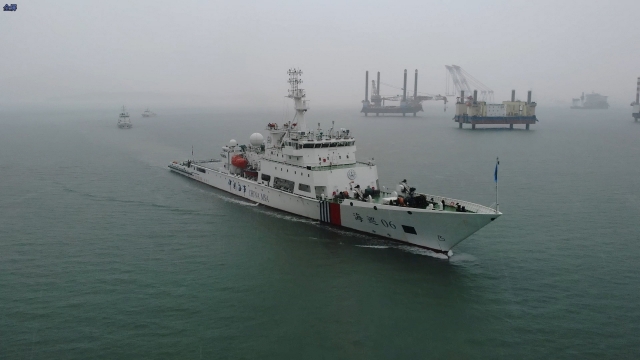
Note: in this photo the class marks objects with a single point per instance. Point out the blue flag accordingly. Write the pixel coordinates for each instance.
(495, 173)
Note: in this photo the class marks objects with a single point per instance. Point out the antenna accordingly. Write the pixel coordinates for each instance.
(297, 95)
(294, 80)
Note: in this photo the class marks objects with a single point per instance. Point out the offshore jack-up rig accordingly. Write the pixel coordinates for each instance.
(471, 111)
(474, 111)
(377, 104)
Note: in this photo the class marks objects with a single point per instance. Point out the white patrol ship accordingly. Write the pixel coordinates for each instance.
(124, 122)
(314, 173)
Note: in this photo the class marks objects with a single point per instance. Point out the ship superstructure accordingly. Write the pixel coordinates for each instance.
(590, 102)
(313, 172)
(636, 105)
(124, 122)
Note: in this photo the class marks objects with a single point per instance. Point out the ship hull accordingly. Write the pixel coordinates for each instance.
(495, 120)
(591, 107)
(125, 126)
(435, 230)
(410, 109)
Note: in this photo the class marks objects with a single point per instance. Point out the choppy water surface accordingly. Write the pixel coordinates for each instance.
(106, 254)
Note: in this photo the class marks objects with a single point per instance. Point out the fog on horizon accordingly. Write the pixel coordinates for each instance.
(223, 54)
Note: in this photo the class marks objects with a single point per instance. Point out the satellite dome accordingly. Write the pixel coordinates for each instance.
(256, 139)
(233, 142)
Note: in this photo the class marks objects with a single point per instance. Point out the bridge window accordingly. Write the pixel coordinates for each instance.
(283, 184)
(303, 187)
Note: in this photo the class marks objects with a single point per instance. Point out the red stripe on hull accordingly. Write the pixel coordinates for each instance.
(334, 212)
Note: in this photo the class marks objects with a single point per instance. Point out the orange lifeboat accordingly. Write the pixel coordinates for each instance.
(239, 161)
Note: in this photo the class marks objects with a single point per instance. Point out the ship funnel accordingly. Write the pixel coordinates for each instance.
(366, 87)
(513, 95)
(529, 97)
(404, 88)
(415, 86)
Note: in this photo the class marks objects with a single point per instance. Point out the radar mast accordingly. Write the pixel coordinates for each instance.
(298, 95)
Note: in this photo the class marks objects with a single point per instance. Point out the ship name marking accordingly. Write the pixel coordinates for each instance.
(259, 196)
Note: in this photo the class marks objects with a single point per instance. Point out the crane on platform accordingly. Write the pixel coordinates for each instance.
(460, 80)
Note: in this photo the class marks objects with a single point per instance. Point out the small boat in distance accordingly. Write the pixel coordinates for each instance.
(148, 113)
(123, 120)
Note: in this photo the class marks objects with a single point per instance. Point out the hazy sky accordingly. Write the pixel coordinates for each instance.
(235, 53)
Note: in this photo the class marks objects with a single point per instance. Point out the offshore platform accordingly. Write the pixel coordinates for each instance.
(474, 112)
(636, 104)
(378, 105)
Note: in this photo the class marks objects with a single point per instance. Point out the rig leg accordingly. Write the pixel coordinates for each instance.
(404, 114)
(527, 126)
(473, 126)
(366, 114)
(511, 126)
(414, 114)
(460, 125)
(376, 114)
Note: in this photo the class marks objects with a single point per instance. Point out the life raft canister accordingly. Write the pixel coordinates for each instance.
(239, 161)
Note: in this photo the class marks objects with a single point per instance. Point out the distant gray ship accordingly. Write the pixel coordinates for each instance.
(636, 104)
(590, 101)
(148, 113)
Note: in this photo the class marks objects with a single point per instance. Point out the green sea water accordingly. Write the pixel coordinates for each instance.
(106, 254)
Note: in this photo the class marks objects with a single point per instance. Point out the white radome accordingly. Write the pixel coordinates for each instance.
(256, 139)
(233, 142)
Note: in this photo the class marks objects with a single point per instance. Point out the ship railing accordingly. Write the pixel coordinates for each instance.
(325, 167)
(469, 206)
(205, 161)
(451, 202)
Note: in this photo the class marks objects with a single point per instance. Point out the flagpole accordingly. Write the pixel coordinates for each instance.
(497, 204)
